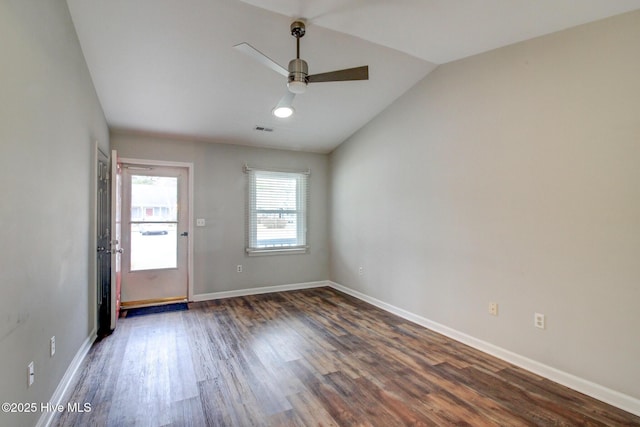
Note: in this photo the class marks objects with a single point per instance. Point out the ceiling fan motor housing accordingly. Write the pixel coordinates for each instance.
(298, 75)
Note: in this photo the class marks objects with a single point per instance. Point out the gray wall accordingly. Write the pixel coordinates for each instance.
(512, 176)
(49, 120)
(220, 197)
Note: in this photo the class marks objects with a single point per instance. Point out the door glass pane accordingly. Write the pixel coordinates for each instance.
(154, 215)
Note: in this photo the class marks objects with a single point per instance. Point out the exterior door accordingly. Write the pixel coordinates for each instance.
(154, 228)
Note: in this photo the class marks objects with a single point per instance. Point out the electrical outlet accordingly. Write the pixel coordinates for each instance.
(360, 271)
(539, 321)
(200, 222)
(239, 268)
(52, 346)
(31, 374)
(493, 308)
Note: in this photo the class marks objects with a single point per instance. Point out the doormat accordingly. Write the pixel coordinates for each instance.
(143, 311)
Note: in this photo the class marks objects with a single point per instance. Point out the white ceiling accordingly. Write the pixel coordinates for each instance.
(169, 67)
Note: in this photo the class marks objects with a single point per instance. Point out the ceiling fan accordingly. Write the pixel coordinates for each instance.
(298, 72)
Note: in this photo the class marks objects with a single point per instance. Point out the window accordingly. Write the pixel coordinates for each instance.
(276, 211)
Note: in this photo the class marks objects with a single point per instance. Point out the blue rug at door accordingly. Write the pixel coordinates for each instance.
(143, 311)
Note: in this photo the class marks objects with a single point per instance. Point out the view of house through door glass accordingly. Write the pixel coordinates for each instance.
(155, 231)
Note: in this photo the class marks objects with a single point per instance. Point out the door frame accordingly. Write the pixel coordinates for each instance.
(189, 167)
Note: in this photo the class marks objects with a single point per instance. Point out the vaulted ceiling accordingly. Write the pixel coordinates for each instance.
(168, 67)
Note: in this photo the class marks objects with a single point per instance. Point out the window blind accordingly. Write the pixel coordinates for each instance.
(277, 210)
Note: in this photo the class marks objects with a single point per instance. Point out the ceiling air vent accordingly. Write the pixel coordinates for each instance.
(263, 129)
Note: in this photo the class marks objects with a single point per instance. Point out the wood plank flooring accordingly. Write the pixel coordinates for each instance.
(310, 358)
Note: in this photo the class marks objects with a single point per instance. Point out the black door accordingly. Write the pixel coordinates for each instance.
(103, 263)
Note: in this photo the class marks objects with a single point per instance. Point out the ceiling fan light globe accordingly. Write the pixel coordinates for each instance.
(283, 112)
(297, 87)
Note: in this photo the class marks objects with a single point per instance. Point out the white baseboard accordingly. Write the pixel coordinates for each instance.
(604, 394)
(261, 290)
(60, 393)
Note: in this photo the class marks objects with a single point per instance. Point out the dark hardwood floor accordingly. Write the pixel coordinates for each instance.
(309, 358)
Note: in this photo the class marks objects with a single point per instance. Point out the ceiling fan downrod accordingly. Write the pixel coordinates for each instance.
(298, 68)
(298, 30)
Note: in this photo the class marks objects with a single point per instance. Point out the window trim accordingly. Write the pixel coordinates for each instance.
(251, 214)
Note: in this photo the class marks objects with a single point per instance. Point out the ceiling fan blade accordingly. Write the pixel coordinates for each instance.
(357, 73)
(247, 49)
(286, 100)
(284, 108)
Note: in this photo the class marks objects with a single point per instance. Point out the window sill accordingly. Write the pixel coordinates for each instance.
(263, 252)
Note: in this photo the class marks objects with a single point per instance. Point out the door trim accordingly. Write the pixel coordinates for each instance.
(189, 167)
